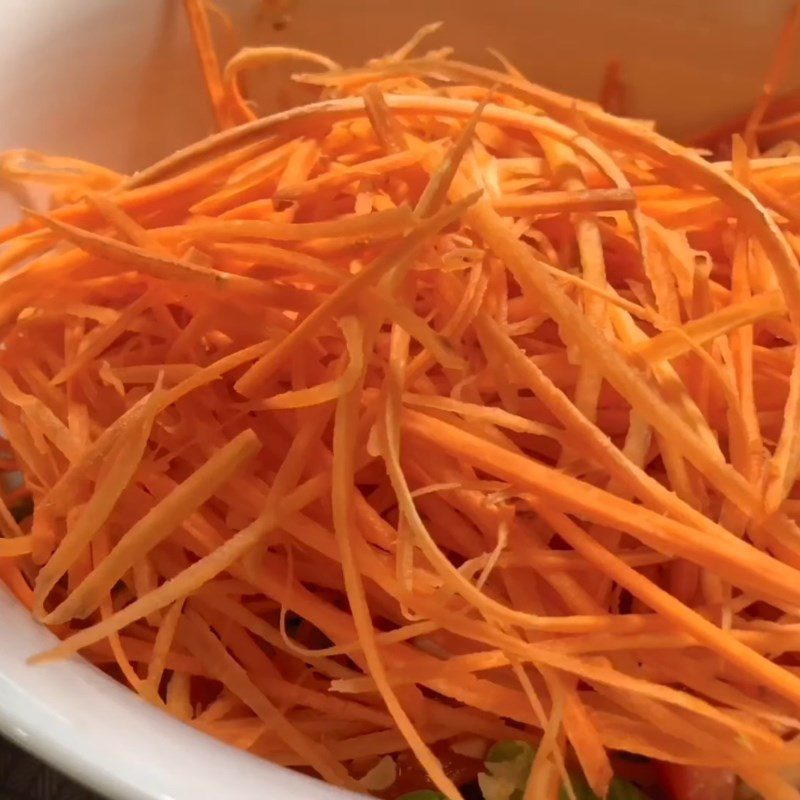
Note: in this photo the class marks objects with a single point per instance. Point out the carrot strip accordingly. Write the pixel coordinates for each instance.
(191, 579)
(251, 57)
(325, 392)
(604, 508)
(391, 222)
(161, 650)
(165, 267)
(12, 548)
(561, 202)
(336, 179)
(197, 16)
(261, 370)
(672, 343)
(342, 508)
(127, 455)
(387, 130)
(157, 524)
(209, 649)
(765, 671)
(778, 68)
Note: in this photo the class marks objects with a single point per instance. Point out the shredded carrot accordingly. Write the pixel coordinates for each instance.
(200, 26)
(701, 330)
(231, 674)
(250, 57)
(11, 548)
(442, 404)
(781, 62)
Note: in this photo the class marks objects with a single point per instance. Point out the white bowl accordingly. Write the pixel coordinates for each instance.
(117, 82)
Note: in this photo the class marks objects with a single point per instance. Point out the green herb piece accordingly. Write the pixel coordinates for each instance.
(508, 750)
(619, 790)
(508, 765)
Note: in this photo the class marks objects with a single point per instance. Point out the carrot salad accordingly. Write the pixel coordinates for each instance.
(440, 435)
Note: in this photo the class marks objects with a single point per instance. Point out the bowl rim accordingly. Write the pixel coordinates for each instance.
(59, 713)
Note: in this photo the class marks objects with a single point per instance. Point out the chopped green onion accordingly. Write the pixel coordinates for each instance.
(619, 790)
(509, 750)
(422, 794)
(508, 765)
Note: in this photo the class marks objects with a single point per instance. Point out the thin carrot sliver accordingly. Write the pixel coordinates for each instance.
(197, 16)
(158, 523)
(670, 344)
(11, 548)
(127, 454)
(777, 71)
(232, 674)
(161, 649)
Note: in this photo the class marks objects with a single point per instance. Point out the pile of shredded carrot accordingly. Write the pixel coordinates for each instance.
(445, 408)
